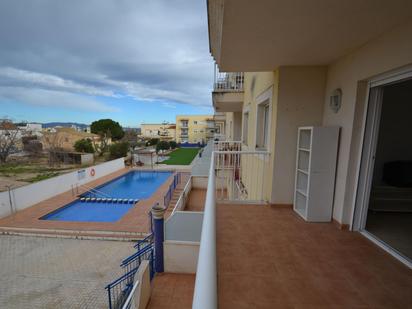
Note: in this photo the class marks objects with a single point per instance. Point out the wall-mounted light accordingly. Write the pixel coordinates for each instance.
(336, 100)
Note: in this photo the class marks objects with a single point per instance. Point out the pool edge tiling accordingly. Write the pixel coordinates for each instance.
(135, 221)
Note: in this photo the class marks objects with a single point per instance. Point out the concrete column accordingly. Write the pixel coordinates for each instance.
(158, 227)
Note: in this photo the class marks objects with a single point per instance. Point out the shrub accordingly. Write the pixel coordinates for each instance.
(173, 144)
(152, 141)
(84, 145)
(162, 145)
(118, 150)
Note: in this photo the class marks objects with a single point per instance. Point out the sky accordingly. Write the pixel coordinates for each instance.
(134, 61)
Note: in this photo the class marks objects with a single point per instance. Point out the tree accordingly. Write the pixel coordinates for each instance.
(9, 136)
(152, 142)
(173, 144)
(105, 127)
(118, 150)
(55, 141)
(162, 145)
(84, 145)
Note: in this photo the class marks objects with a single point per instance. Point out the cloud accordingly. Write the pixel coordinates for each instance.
(51, 98)
(153, 50)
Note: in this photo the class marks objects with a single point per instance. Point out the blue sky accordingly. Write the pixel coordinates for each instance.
(78, 61)
(127, 111)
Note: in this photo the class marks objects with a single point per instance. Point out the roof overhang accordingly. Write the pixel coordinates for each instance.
(262, 35)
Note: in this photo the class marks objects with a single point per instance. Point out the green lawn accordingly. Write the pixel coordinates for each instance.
(182, 156)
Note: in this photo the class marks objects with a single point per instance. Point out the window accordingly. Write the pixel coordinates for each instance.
(245, 128)
(195, 122)
(262, 133)
(195, 131)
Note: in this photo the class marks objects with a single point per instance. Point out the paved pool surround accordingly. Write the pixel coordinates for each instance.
(132, 225)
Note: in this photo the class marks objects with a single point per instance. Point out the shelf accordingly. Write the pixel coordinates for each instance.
(301, 192)
(303, 171)
(301, 212)
(304, 149)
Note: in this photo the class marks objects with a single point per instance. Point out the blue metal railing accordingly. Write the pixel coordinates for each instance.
(144, 242)
(119, 290)
(136, 259)
(168, 196)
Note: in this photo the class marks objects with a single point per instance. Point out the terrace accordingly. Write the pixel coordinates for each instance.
(279, 261)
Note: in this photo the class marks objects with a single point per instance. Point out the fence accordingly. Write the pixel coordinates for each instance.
(242, 175)
(168, 196)
(26, 196)
(228, 81)
(119, 291)
(227, 146)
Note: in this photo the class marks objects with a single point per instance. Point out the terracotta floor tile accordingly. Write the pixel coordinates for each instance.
(270, 258)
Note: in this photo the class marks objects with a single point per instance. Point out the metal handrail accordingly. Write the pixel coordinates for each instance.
(95, 191)
(129, 299)
(181, 197)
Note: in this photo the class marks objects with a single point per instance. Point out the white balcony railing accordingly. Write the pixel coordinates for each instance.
(242, 176)
(222, 145)
(228, 81)
(219, 136)
(205, 294)
(225, 169)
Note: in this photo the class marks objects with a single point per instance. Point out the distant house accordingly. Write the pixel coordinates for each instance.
(165, 131)
(64, 138)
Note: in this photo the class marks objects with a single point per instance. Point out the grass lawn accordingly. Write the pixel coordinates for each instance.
(182, 156)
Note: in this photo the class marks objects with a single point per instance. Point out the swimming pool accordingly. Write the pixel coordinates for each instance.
(133, 185)
(129, 188)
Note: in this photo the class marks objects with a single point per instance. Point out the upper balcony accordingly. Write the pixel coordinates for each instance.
(184, 123)
(254, 36)
(228, 91)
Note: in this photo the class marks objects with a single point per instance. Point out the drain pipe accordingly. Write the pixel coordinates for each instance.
(158, 218)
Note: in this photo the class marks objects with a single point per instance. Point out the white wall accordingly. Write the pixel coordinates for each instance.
(184, 226)
(181, 256)
(29, 195)
(390, 51)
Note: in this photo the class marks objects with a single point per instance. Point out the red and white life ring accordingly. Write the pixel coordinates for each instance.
(92, 172)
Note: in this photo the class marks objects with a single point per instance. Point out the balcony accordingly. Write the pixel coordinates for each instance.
(263, 256)
(227, 93)
(283, 33)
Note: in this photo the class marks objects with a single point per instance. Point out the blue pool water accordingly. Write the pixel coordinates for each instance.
(133, 185)
(89, 212)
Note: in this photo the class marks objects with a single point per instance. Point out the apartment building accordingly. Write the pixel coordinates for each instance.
(164, 131)
(320, 91)
(194, 128)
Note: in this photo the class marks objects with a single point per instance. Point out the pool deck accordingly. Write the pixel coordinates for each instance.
(133, 225)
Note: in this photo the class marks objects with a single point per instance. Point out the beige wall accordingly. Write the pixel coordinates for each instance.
(390, 51)
(255, 85)
(297, 99)
(300, 103)
(197, 132)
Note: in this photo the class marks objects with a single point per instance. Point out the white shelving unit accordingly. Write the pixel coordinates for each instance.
(315, 172)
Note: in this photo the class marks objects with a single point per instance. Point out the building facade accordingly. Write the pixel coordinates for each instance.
(194, 128)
